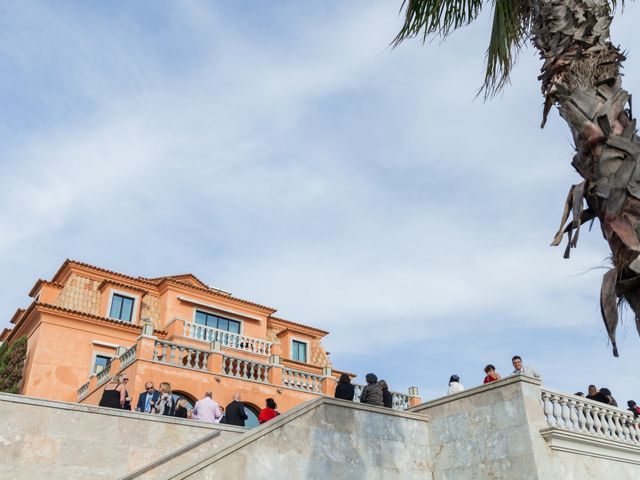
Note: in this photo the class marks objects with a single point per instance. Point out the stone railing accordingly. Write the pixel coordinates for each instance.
(104, 374)
(578, 414)
(226, 339)
(83, 391)
(301, 380)
(128, 357)
(245, 369)
(180, 356)
(399, 401)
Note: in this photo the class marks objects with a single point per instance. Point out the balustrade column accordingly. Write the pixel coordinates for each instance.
(275, 370)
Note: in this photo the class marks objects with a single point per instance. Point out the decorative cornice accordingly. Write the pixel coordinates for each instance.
(36, 287)
(590, 445)
(126, 286)
(16, 316)
(297, 327)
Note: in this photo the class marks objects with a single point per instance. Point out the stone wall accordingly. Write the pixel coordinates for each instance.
(58, 440)
(325, 438)
(494, 432)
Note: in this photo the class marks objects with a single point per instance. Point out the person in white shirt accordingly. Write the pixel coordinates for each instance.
(454, 385)
(520, 369)
(207, 409)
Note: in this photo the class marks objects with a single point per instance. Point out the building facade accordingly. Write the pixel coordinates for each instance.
(88, 323)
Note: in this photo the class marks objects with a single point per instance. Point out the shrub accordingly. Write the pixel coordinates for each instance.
(12, 359)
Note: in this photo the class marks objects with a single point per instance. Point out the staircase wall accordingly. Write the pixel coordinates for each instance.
(52, 439)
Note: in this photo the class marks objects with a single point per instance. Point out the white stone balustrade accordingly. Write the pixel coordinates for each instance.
(301, 380)
(226, 339)
(104, 374)
(399, 401)
(578, 414)
(180, 355)
(128, 357)
(83, 391)
(245, 369)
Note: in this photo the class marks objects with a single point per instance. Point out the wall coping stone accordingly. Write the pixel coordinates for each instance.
(282, 420)
(585, 444)
(114, 412)
(475, 391)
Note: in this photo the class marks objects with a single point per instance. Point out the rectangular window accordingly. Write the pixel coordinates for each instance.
(121, 307)
(100, 362)
(210, 320)
(299, 351)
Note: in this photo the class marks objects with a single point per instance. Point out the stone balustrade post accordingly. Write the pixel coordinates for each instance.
(275, 370)
(93, 382)
(145, 346)
(329, 382)
(414, 397)
(215, 358)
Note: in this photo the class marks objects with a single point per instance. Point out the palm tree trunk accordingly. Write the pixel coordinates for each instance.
(581, 75)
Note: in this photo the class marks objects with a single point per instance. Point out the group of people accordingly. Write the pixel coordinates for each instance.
(376, 392)
(491, 375)
(162, 402)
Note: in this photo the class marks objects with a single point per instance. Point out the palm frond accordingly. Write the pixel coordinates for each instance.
(511, 23)
(435, 17)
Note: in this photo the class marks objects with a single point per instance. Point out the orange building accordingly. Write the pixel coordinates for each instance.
(88, 323)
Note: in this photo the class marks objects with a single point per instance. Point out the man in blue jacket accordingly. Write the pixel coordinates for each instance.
(148, 399)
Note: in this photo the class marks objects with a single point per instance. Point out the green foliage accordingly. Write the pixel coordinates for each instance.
(12, 358)
(510, 30)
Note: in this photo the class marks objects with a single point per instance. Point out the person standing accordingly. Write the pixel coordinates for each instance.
(521, 369)
(269, 411)
(454, 385)
(127, 398)
(165, 405)
(491, 374)
(207, 409)
(235, 412)
(113, 395)
(372, 392)
(181, 410)
(147, 399)
(345, 389)
(592, 391)
(387, 398)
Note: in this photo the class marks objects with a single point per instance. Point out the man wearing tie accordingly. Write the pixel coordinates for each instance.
(148, 399)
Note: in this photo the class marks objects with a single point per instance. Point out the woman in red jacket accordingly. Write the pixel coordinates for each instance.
(269, 412)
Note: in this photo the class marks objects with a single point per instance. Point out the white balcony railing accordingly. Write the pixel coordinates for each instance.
(399, 401)
(83, 391)
(577, 414)
(226, 339)
(104, 374)
(245, 369)
(180, 356)
(301, 380)
(128, 357)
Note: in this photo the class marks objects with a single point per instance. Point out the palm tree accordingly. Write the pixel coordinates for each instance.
(581, 75)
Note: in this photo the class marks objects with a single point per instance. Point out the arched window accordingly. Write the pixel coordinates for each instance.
(252, 412)
(177, 395)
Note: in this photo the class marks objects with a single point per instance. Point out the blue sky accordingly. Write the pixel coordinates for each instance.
(286, 154)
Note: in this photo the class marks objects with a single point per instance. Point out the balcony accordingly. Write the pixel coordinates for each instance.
(220, 363)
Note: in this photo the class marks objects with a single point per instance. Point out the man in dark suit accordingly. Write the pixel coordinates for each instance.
(234, 413)
(148, 399)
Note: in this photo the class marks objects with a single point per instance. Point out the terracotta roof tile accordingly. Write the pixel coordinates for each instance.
(299, 325)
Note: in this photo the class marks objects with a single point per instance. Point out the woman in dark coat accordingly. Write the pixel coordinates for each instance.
(387, 399)
(344, 389)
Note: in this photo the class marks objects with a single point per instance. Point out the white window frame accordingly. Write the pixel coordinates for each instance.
(213, 312)
(307, 351)
(134, 311)
(93, 360)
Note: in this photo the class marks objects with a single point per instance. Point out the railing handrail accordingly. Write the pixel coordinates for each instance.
(302, 372)
(217, 333)
(179, 345)
(230, 357)
(586, 400)
(582, 415)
